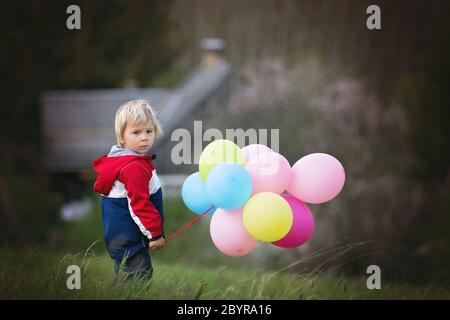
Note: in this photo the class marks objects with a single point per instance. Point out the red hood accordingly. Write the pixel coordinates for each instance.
(108, 169)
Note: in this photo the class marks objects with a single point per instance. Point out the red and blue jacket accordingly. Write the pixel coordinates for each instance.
(131, 201)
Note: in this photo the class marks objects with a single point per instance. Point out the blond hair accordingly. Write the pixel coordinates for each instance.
(135, 112)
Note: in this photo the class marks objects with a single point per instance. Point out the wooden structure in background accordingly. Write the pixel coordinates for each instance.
(78, 125)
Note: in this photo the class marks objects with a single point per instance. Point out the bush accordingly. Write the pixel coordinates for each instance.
(33, 211)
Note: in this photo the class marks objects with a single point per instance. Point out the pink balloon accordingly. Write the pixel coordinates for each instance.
(270, 171)
(229, 234)
(302, 225)
(317, 178)
(254, 149)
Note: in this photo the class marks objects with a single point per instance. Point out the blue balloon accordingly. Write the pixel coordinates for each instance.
(194, 195)
(229, 186)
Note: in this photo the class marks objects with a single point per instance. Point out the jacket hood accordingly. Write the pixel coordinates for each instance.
(108, 167)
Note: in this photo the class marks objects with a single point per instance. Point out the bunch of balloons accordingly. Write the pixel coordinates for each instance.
(246, 188)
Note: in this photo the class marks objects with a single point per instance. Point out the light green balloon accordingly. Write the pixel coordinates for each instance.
(217, 152)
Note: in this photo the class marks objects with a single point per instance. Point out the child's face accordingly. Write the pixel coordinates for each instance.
(139, 138)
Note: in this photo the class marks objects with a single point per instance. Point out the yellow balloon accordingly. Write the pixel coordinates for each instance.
(267, 216)
(219, 151)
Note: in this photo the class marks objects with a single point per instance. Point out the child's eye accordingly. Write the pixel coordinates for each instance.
(135, 132)
(149, 131)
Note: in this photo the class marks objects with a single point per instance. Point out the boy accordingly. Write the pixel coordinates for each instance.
(131, 201)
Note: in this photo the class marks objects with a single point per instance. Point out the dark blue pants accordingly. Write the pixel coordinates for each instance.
(138, 265)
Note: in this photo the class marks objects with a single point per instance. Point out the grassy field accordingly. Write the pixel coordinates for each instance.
(190, 267)
(40, 274)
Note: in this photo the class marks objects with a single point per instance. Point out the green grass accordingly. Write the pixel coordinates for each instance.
(40, 274)
(190, 267)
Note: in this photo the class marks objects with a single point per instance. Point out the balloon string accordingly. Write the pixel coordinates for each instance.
(189, 224)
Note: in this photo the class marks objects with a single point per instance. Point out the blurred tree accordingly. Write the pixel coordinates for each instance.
(119, 42)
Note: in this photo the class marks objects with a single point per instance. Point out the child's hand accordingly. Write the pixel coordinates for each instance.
(157, 244)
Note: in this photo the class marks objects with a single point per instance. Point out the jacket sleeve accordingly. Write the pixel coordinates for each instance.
(136, 179)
